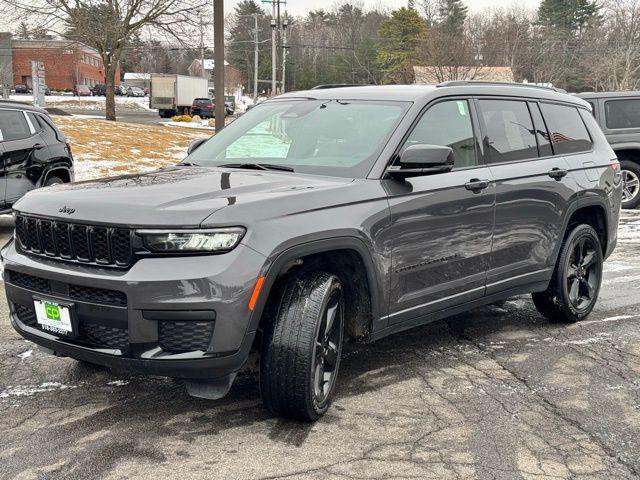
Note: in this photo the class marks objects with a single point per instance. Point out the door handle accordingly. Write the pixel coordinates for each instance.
(557, 173)
(476, 185)
(38, 146)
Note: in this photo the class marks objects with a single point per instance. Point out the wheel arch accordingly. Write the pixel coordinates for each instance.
(307, 255)
(592, 211)
(61, 168)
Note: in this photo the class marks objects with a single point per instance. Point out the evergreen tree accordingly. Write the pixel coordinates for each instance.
(570, 16)
(398, 41)
(451, 17)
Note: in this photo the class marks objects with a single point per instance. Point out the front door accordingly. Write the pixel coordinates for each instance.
(441, 224)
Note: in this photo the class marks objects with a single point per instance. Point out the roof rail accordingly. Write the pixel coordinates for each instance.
(337, 85)
(459, 83)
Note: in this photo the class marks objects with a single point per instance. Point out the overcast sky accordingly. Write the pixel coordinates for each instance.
(300, 7)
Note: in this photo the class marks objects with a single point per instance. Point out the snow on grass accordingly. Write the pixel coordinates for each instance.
(70, 103)
(101, 148)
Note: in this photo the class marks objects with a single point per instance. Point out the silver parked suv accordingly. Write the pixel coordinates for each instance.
(315, 218)
(618, 114)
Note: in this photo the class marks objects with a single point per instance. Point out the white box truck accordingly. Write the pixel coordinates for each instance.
(174, 94)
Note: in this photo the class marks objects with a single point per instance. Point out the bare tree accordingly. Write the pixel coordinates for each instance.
(106, 25)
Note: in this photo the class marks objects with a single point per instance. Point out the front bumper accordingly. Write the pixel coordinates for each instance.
(184, 317)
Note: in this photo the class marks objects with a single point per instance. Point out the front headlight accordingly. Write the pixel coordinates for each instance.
(192, 241)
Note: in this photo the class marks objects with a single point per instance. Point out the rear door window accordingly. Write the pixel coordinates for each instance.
(510, 132)
(567, 131)
(13, 125)
(622, 113)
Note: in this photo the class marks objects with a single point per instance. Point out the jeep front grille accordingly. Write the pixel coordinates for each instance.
(69, 241)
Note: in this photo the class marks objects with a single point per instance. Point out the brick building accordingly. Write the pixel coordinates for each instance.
(66, 63)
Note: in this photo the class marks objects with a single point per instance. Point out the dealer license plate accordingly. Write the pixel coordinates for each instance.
(53, 316)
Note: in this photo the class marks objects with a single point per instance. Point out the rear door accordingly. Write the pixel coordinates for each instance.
(441, 224)
(23, 148)
(532, 192)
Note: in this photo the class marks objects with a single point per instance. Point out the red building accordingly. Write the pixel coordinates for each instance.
(66, 63)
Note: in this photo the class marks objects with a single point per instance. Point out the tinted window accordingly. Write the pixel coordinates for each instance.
(542, 134)
(567, 131)
(510, 132)
(48, 131)
(13, 125)
(622, 113)
(34, 122)
(593, 108)
(447, 123)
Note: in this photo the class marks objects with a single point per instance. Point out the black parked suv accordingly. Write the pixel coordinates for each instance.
(33, 151)
(318, 217)
(618, 114)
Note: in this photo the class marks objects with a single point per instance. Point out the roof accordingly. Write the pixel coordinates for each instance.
(209, 63)
(52, 43)
(18, 105)
(607, 94)
(414, 93)
(137, 76)
(427, 74)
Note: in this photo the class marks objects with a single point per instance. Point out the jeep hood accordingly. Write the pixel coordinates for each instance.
(176, 196)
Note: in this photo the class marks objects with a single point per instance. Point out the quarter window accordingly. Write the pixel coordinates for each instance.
(622, 113)
(447, 123)
(542, 134)
(566, 129)
(13, 125)
(510, 132)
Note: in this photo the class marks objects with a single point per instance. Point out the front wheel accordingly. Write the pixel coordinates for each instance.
(630, 184)
(575, 285)
(302, 345)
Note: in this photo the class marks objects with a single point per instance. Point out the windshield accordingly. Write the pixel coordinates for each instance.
(325, 137)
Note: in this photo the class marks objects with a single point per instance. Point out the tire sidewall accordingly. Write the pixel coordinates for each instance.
(570, 310)
(321, 408)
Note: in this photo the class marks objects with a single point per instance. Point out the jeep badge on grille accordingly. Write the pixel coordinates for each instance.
(67, 210)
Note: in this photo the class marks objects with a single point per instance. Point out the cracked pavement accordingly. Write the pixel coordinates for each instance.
(496, 393)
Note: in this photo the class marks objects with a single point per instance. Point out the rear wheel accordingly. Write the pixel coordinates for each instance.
(302, 346)
(574, 287)
(53, 180)
(630, 184)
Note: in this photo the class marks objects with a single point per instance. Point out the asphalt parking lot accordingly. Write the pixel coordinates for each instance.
(495, 393)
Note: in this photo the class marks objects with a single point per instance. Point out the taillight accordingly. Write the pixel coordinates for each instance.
(68, 147)
(615, 165)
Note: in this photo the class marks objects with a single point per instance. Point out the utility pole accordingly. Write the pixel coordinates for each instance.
(218, 67)
(255, 58)
(274, 54)
(285, 24)
(204, 73)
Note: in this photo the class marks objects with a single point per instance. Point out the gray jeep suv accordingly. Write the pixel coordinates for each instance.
(317, 217)
(618, 114)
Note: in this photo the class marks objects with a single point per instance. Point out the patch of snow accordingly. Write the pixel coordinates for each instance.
(30, 390)
(26, 354)
(118, 383)
(192, 125)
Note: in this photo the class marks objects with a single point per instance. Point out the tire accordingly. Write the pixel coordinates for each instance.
(294, 379)
(53, 180)
(575, 285)
(631, 178)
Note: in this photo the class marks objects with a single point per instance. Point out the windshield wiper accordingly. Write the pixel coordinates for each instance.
(188, 164)
(258, 166)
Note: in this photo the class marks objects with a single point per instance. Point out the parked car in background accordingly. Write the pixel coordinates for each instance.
(47, 91)
(21, 88)
(99, 90)
(33, 151)
(82, 91)
(135, 92)
(120, 90)
(230, 103)
(321, 216)
(618, 114)
(203, 107)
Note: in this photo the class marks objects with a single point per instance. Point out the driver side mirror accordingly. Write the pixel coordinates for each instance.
(195, 145)
(419, 160)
